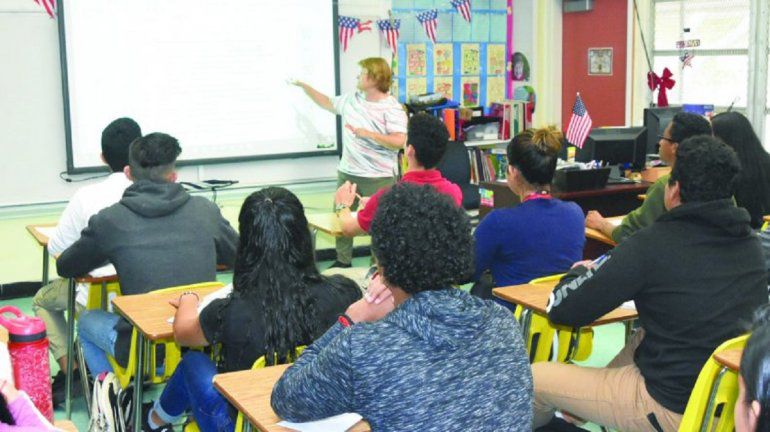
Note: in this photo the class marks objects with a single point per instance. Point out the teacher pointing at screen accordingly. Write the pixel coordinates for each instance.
(374, 130)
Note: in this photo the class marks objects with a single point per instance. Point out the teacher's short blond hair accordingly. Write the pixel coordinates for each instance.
(378, 70)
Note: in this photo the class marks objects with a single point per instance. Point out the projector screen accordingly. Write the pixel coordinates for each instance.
(213, 74)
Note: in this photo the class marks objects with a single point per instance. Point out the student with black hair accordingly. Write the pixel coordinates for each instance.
(429, 357)
(684, 125)
(156, 236)
(278, 302)
(18, 413)
(694, 275)
(50, 301)
(426, 143)
(752, 409)
(752, 188)
(539, 237)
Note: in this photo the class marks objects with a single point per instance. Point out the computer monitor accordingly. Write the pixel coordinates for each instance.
(656, 120)
(615, 146)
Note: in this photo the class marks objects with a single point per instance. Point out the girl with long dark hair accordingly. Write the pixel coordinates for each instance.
(278, 302)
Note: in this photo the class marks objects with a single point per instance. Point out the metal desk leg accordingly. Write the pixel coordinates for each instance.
(70, 346)
(525, 321)
(246, 425)
(104, 296)
(712, 399)
(138, 381)
(45, 266)
(629, 329)
(313, 235)
(574, 344)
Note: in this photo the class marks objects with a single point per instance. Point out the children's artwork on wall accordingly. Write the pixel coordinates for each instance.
(495, 59)
(470, 86)
(416, 86)
(470, 59)
(444, 86)
(443, 59)
(416, 60)
(495, 89)
(521, 70)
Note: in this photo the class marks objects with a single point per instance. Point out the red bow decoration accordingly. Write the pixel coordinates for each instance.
(662, 84)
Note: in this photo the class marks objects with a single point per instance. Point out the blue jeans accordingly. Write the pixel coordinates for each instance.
(96, 330)
(190, 389)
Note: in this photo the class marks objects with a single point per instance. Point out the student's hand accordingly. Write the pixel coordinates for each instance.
(295, 82)
(346, 194)
(585, 263)
(362, 202)
(363, 311)
(359, 132)
(595, 220)
(377, 291)
(8, 391)
(174, 302)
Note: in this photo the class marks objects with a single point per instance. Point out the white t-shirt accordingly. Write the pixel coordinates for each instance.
(360, 156)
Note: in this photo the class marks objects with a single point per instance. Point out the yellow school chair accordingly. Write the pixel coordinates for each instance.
(545, 330)
(716, 387)
(173, 352)
(95, 290)
(258, 364)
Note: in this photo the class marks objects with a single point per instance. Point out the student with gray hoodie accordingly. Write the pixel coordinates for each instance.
(416, 354)
(157, 236)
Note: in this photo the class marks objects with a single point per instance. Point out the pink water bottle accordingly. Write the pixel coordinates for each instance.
(28, 347)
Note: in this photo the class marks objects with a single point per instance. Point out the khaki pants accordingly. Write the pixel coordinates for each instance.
(614, 396)
(366, 186)
(49, 304)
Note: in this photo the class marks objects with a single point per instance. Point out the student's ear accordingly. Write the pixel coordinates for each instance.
(672, 195)
(104, 161)
(756, 410)
(127, 172)
(409, 151)
(172, 177)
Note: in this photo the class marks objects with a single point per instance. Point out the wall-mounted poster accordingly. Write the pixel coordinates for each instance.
(444, 85)
(416, 60)
(416, 86)
(443, 59)
(495, 59)
(599, 61)
(495, 89)
(520, 67)
(470, 60)
(470, 88)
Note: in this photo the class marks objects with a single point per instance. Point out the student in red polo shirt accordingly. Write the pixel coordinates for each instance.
(426, 143)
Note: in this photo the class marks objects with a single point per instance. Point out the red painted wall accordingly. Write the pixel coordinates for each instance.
(604, 96)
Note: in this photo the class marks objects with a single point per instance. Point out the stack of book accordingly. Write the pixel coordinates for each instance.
(487, 165)
(514, 116)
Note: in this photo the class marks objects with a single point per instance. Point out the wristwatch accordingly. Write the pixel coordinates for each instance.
(339, 207)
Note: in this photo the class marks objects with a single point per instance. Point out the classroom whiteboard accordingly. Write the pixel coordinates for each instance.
(211, 73)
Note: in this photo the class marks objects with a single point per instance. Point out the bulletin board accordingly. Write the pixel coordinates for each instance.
(468, 61)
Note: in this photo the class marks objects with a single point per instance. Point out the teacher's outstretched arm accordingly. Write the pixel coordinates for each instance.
(319, 98)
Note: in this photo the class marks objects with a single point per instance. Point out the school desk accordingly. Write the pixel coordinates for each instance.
(65, 425)
(533, 298)
(598, 243)
(249, 391)
(41, 233)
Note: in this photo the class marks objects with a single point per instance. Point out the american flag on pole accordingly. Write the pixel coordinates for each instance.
(350, 26)
(463, 7)
(49, 5)
(579, 124)
(429, 21)
(389, 27)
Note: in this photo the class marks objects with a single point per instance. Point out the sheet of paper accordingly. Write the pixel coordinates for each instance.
(628, 305)
(216, 295)
(616, 222)
(339, 423)
(46, 231)
(104, 271)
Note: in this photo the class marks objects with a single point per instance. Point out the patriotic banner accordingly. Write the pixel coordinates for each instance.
(49, 5)
(429, 21)
(579, 124)
(390, 29)
(350, 26)
(463, 8)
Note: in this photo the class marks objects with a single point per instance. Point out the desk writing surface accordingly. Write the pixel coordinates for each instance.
(65, 425)
(325, 222)
(149, 313)
(249, 391)
(730, 359)
(600, 236)
(41, 232)
(535, 297)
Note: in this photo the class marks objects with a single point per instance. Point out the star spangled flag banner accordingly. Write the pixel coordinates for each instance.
(463, 7)
(429, 21)
(579, 124)
(390, 29)
(350, 26)
(49, 5)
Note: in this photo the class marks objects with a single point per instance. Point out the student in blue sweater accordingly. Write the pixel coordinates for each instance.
(429, 357)
(542, 235)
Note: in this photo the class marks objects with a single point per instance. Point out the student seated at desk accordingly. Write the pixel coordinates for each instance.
(539, 237)
(752, 409)
(429, 357)
(50, 301)
(18, 413)
(752, 188)
(157, 236)
(684, 125)
(425, 146)
(279, 301)
(695, 275)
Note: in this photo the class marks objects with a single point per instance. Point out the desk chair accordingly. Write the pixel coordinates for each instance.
(455, 166)
(260, 363)
(173, 353)
(716, 387)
